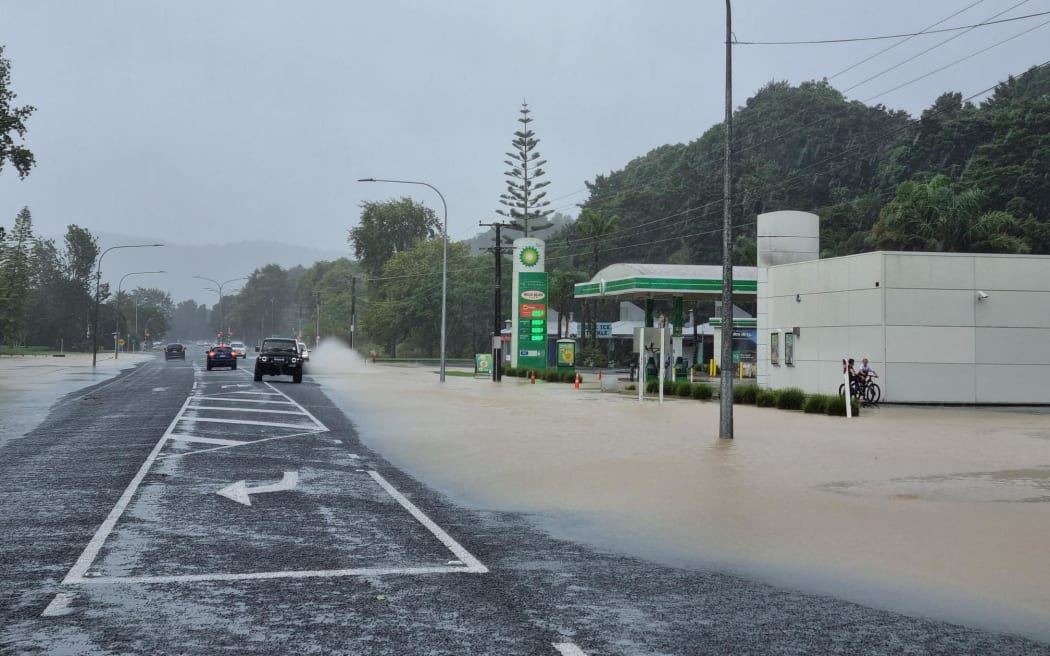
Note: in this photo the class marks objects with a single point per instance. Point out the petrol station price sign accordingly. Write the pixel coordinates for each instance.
(532, 319)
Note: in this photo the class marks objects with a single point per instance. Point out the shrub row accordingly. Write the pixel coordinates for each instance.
(549, 375)
(793, 398)
(681, 388)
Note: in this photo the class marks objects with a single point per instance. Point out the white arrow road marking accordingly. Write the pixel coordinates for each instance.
(240, 491)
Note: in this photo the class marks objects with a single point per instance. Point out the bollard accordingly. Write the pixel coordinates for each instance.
(577, 383)
(532, 377)
(599, 375)
(741, 371)
(690, 374)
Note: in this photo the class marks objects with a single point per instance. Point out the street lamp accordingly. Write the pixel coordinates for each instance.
(218, 290)
(117, 309)
(444, 259)
(98, 284)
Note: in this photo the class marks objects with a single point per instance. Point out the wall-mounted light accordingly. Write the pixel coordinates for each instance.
(981, 295)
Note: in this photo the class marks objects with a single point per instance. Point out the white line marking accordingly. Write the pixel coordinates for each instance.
(59, 605)
(568, 649)
(220, 448)
(296, 404)
(205, 440)
(76, 573)
(259, 393)
(273, 412)
(301, 574)
(160, 389)
(473, 564)
(244, 422)
(216, 397)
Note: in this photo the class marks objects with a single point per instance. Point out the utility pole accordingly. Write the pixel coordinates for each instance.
(497, 321)
(353, 310)
(725, 402)
(317, 327)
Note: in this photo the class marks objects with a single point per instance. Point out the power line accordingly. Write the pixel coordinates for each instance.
(930, 49)
(949, 65)
(903, 41)
(891, 36)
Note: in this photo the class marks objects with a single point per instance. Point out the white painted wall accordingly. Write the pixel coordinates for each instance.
(918, 318)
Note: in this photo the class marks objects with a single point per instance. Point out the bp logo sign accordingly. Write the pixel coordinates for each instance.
(530, 257)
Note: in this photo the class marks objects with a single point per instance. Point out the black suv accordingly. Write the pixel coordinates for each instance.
(279, 356)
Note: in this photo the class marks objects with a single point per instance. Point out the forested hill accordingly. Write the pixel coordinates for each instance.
(962, 177)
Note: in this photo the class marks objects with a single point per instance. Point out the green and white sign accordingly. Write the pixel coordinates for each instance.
(532, 319)
(528, 347)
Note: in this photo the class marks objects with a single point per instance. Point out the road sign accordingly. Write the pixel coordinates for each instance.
(121, 341)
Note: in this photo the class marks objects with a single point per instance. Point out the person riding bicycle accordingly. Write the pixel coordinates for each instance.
(866, 372)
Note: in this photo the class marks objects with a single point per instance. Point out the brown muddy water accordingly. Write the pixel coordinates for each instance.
(929, 511)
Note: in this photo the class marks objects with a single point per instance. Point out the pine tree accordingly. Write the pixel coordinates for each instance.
(525, 196)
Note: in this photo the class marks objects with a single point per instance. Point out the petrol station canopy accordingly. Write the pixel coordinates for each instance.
(625, 281)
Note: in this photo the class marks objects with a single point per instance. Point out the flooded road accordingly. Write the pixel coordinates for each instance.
(928, 511)
(32, 384)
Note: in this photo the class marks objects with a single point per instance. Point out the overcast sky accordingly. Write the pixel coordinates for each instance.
(221, 121)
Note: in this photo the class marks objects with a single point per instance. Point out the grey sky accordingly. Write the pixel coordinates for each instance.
(223, 121)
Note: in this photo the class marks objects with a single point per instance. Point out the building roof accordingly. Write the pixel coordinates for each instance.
(641, 281)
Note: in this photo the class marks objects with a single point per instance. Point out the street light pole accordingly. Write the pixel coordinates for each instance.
(444, 259)
(117, 312)
(218, 290)
(98, 284)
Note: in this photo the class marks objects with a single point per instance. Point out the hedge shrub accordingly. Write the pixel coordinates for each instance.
(816, 403)
(745, 393)
(790, 398)
(702, 391)
(683, 388)
(836, 406)
(766, 398)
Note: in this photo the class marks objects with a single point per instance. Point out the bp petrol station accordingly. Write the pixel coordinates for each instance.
(644, 283)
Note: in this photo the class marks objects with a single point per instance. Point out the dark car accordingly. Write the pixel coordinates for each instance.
(175, 351)
(221, 356)
(279, 356)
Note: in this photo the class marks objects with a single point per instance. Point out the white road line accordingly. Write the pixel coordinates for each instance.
(244, 422)
(178, 437)
(296, 404)
(76, 573)
(59, 605)
(274, 412)
(246, 443)
(207, 397)
(258, 393)
(568, 649)
(289, 574)
(473, 564)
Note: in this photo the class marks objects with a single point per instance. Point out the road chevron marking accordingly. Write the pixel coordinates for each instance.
(247, 422)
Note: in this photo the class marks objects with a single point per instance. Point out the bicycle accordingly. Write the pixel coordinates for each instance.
(866, 390)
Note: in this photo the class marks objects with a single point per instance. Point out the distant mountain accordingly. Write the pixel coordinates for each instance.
(181, 262)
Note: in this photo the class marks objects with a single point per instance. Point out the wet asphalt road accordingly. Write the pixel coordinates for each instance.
(115, 540)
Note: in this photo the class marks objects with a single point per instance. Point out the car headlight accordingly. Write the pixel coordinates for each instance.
(263, 358)
(294, 360)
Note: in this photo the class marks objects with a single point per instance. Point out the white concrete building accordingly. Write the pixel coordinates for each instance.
(938, 327)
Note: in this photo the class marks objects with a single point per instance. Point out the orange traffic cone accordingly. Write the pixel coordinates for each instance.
(577, 383)
(532, 377)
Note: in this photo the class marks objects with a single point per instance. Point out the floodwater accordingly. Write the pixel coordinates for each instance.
(32, 384)
(935, 512)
